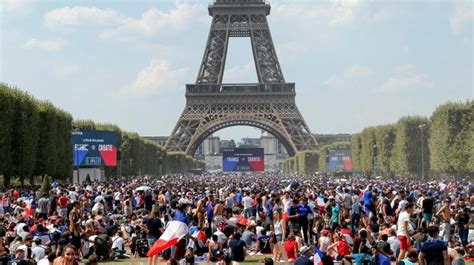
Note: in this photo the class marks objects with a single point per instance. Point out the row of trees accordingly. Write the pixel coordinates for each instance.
(418, 146)
(35, 137)
(35, 140)
(440, 145)
(311, 161)
(139, 156)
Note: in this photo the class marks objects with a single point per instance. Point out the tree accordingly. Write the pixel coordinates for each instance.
(88, 180)
(45, 186)
(385, 140)
(356, 147)
(408, 145)
(307, 161)
(368, 150)
(7, 103)
(47, 161)
(25, 135)
(451, 138)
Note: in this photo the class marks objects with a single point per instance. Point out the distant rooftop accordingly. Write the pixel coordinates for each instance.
(239, 1)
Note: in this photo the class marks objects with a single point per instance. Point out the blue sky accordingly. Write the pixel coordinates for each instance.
(355, 63)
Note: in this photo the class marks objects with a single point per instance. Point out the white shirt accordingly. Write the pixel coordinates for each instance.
(247, 202)
(221, 238)
(286, 204)
(44, 261)
(324, 243)
(278, 228)
(19, 228)
(72, 196)
(118, 242)
(38, 253)
(394, 244)
(99, 198)
(98, 207)
(404, 217)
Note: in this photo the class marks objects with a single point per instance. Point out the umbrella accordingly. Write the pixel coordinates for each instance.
(143, 188)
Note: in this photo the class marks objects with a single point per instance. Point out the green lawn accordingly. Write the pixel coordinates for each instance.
(253, 260)
(144, 261)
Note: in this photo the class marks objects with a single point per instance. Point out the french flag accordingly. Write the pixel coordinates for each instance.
(175, 231)
(317, 256)
(201, 237)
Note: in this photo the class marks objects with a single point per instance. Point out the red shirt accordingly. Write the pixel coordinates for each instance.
(62, 202)
(290, 248)
(16, 194)
(343, 248)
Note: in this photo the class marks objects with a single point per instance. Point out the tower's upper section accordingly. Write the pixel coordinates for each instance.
(231, 6)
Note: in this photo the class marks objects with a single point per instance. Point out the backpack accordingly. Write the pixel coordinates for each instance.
(142, 248)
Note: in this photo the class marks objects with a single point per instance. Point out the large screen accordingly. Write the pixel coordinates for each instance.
(94, 148)
(243, 159)
(340, 161)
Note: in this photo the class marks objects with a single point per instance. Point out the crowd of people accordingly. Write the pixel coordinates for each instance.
(296, 218)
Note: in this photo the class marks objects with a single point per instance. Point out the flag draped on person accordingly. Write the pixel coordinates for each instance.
(201, 238)
(175, 231)
(317, 256)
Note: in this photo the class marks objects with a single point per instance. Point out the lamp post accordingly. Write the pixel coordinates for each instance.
(24, 116)
(421, 126)
(374, 147)
(160, 165)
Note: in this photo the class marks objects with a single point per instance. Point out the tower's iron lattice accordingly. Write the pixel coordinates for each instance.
(268, 105)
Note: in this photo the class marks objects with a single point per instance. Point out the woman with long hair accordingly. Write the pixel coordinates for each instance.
(68, 257)
(279, 232)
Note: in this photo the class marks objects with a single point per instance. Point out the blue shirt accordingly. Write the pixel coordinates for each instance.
(381, 259)
(269, 206)
(238, 197)
(360, 258)
(304, 210)
(368, 198)
(433, 250)
(180, 216)
(335, 214)
(303, 260)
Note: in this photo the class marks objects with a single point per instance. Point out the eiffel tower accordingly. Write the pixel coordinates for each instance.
(268, 105)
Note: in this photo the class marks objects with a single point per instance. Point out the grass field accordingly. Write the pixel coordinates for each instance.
(253, 260)
(144, 261)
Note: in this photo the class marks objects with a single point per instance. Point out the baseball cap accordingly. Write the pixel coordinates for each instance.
(304, 249)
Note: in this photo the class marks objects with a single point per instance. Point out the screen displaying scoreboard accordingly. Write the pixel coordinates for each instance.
(243, 159)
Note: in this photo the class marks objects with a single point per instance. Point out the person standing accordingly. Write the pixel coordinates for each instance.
(303, 211)
(335, 212)
(53, 202)
(403, 229)
(445, 214)
(463, 220)
(247, 202)
(434, 251)
(62, 204)
(279, 232)
(427, 206)
(43, 207)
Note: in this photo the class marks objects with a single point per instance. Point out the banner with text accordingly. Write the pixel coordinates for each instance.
(94, 148)
(243, 159)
